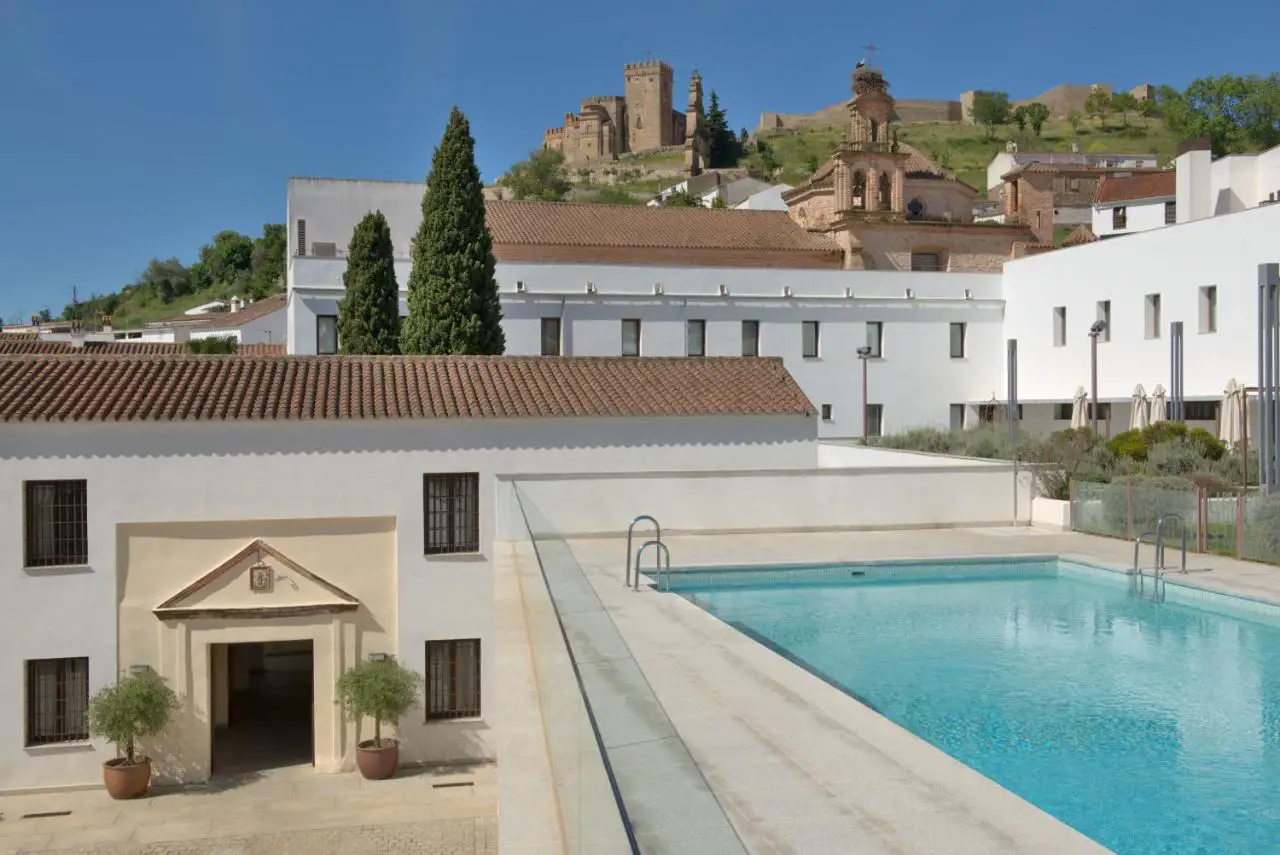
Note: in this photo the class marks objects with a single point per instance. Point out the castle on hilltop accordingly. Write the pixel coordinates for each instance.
(639, 120)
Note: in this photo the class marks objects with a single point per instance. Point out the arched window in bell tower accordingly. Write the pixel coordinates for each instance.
(860, 190)
(875, 131)
(886, 192)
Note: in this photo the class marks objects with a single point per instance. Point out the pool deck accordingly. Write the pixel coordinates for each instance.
(801, 767)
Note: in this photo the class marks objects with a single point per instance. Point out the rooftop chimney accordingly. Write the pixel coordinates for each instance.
(1194, 165)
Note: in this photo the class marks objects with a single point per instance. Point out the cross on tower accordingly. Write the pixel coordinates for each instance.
(871, 48)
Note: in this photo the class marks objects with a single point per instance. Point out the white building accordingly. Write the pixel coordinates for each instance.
(1006, 161)
(209, 517)
(1124, 204)
(768, 199)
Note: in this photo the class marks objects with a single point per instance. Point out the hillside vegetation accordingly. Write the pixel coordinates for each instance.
(963, 149)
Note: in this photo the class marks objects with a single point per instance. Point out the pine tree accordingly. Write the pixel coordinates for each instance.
(723, 145)
(369, 314)
(453, 296)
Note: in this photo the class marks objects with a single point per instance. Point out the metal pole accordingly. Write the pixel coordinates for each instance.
(1263, 469)
(1093, 360)
(1176, 379)
(864, 399)
(1269, 286)
(1013, 419)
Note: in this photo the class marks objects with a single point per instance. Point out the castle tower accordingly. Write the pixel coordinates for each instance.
(647, 88)
(697, 147)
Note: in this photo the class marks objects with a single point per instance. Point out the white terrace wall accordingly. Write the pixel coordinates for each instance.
(815, 500)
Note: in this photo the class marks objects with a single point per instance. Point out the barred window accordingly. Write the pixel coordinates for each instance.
(57, 523)
(453, 679)
(57, 700)
(451, 504)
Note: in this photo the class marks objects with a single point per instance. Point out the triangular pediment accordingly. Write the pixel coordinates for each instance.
(258, 581)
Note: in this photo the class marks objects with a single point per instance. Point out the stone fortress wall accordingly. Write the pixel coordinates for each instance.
(1062, 100)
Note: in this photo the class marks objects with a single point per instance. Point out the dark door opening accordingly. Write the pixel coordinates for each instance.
(262, 705)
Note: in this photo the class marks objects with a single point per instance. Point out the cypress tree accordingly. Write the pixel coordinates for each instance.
(453, 296)
(369, 314)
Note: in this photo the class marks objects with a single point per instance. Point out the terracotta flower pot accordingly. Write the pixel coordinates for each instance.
(124, 781)
(377, 763)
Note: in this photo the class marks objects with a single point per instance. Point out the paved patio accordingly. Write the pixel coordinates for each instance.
(801, 767)
(449, 811)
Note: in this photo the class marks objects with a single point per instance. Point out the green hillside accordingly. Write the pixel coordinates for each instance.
(964, 149)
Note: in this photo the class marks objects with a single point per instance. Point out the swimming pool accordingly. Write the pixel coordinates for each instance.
(1150, 727)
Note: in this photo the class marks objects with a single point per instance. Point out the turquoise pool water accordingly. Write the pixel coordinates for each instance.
(1150, 727)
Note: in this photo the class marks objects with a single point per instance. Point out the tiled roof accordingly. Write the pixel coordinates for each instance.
(1140, 185)
(251, 312)
(1082, 234)
(22, 343)
(221, 388)
(643, 227)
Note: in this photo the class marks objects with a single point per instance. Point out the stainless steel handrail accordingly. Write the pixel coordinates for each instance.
(1160, 541)
(630, 529)
(663, 552)
(1149, 537)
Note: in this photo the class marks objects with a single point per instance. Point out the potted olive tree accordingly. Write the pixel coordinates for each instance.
(137, 706)
(383, 690)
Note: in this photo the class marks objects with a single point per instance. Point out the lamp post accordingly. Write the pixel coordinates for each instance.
(864, 353)
(1098, 328)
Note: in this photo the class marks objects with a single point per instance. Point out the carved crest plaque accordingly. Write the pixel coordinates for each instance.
(262, 578)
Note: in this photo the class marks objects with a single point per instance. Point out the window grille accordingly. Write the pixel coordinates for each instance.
(453, 679)
(57, 700)
(57, 523)
(452, 508)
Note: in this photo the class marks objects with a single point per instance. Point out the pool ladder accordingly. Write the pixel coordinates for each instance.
(1157, 539)
(656, 543)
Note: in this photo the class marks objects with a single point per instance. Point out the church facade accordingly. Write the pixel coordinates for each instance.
(888, 206)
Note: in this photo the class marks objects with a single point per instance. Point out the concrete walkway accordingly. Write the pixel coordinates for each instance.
(799, 766)
(449, 811)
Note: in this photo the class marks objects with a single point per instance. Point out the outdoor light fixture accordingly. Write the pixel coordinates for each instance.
(139, 669)
(1098, 328)
(377, 657)
(864, 353)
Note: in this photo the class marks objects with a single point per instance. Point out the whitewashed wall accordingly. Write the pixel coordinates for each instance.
(163, 473)
(1175, 262)
(822, 499)
(915, 382)
(266, 329)
(1142, 215)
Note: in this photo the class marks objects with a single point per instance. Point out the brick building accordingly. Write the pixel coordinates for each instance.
(1042, 196)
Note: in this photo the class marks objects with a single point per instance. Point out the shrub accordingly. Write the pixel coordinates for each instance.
(1262, 529)
(380, 689)
(928, 439)
(213, 344)
(1130, 443)
(1175, 457)
(1159, 432)
(1210, 446)
(988, 443)
(137, 706)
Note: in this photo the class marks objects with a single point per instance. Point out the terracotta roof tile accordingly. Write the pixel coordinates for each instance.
(219, 388)
(1130, 188)
(23, 343)
(251, 312)
(644, 227)
(1082, 235)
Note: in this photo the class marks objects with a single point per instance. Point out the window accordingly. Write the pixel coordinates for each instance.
(630, 337)
(451, 504)
(324, 249)
(750, 338)
(453, 679)
(1062, 412)
(809, 345)
(57, 523)
(1039, 219)
(302, 237)
(1209, 309)
(695, 338)
(958, 331)
(1151, 314)
(1170, 213)
(1200, 411)
(550, 336)
(1104, 411)
(875, 338)
(1119, 217)
(875, 419)
(957, 416)
(57, 700)
(1104, 315)
(1060, 326)
(926, 261)
(1073, 184)
(826, 412)
(326, 334)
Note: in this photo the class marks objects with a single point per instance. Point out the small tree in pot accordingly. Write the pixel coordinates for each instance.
(383, 690)
(137, 706)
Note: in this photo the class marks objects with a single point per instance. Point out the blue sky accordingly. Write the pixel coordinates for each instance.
(135, 129)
